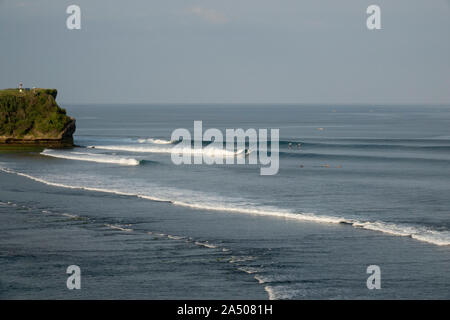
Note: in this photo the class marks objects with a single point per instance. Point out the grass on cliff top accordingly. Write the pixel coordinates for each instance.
(31, 113)
(17, 93)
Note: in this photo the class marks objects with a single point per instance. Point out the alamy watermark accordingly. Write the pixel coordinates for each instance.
(373, 22)
(74, 280)
(240, 146)
(374, 280)
(73, 21)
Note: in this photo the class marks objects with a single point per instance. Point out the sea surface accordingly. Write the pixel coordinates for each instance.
(357, 186)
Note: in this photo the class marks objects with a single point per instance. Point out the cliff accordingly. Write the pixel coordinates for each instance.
(32, 117)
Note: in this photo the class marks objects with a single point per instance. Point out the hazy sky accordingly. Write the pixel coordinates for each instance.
(273, 51)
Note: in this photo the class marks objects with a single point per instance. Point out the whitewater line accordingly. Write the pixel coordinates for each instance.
(440, 238)
(91, 157)
(208, 151)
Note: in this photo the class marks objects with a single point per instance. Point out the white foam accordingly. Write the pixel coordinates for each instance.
(206, 244)
(270, 292)
(116, 227)
(175, 237)
(433, 237)
(72, 216)
(248, 270)
(271, 279)
(261, 279)
(168, 236)
(155, 141)
(279, 292)
(440, 238)
(158, 234)
(265, 211)
(207, 151)
(92, 157)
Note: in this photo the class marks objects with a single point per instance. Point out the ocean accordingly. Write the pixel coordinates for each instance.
(357, 186)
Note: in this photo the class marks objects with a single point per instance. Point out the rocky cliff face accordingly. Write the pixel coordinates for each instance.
(33, 117)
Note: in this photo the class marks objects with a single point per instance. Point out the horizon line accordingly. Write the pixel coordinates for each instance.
(337, 104)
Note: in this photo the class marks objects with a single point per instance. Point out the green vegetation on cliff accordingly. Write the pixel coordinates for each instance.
(33, 115)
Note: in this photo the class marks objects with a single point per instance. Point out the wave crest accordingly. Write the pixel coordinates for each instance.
(92, 157)
(155, 141)
(208, 151)
(420, 233)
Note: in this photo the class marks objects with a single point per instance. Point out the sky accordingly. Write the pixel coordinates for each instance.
(229, 51)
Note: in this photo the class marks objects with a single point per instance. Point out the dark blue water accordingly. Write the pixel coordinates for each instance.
(357, 185)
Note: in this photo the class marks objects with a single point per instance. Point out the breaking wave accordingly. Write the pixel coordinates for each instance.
(208, 151)
(92, 157)
(155, 141)
(420, 233)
